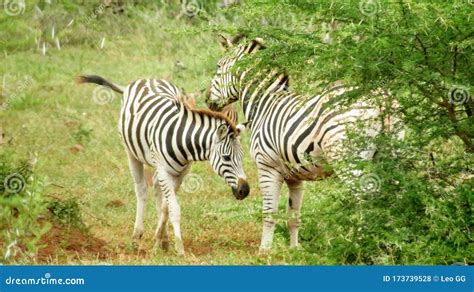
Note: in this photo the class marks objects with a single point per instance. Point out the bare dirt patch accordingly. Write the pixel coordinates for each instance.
(62, 242)
(115, 203)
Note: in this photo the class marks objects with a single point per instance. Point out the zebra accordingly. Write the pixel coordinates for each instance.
(293, 137)
(158, 129)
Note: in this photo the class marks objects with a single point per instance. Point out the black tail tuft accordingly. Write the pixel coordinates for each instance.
(98, 80)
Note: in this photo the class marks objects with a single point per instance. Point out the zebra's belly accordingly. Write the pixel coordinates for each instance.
(136, 142)
(307, 173)
(292, 171)
(297, 166)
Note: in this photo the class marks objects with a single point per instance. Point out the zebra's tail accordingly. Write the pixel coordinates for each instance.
(99, 80)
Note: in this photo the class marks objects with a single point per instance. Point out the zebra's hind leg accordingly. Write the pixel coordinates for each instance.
(136, 169)
(295, 190)
(270, 183)
(161, 234)
(168, 185)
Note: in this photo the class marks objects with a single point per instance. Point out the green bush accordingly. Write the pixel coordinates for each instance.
(405, 209)
(21, 207)
(67, 212)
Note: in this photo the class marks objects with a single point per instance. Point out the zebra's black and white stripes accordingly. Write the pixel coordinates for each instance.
(292, 136)
(158, 129)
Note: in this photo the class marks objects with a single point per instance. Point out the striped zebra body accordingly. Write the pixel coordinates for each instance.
(292, 132)
(160, 130)
(143, 115)
(293, 137)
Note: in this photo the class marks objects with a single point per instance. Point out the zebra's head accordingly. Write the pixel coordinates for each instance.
(224, 87)
(226, 158)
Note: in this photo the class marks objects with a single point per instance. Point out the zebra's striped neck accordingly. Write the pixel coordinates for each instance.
(195, 133)
(256, 90)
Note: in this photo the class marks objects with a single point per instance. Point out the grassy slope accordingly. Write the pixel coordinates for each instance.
(48, 115)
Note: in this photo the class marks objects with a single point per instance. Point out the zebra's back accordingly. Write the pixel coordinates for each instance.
(146, 103)
(294, 134)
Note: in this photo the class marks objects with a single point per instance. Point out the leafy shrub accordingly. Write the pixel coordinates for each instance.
(411, 212)
(67, 212)
(21, 206)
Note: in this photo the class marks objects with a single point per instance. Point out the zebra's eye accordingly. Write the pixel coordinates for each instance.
(226, 158)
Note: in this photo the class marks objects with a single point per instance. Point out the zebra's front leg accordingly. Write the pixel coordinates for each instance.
(295, 190)
(136, 169)
(168, 184)
(270, 183)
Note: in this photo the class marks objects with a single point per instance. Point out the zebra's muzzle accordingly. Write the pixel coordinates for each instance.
(242, 190)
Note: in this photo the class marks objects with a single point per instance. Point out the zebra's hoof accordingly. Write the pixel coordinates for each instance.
(164, 244)
(264, 251)
(179, 248)
(137, 234)
(296, 247)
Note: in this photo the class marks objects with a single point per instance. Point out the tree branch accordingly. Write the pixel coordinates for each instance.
(455, 60)
(425, 51)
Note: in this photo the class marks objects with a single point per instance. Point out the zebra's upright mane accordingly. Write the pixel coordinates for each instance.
(211, 114)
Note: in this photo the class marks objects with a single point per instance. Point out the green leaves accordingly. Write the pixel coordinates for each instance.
(21, 205)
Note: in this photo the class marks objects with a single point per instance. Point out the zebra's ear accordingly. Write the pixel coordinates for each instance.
(224, 41)
(222, 131)
(237, 38)
(283, 82)
(258, 42)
